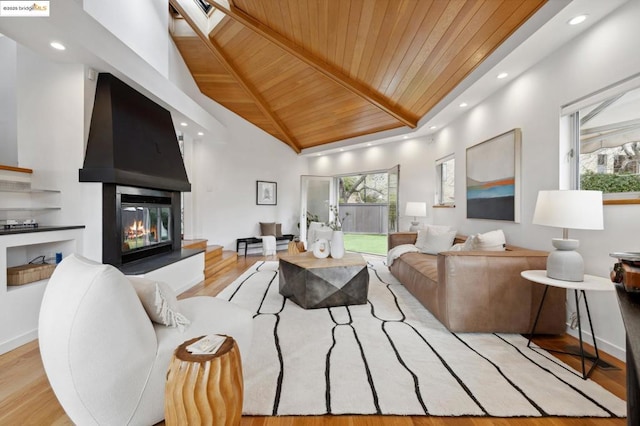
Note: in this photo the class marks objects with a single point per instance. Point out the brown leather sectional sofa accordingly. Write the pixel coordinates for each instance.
(480, 291)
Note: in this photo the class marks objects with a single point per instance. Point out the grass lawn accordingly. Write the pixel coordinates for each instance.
(366, 243)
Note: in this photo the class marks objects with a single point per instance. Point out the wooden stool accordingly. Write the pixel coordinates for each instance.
(204, 389)
(295, 247)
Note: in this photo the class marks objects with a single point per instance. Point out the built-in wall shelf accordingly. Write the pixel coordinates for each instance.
(27, 209)
(31, 191)
(39, 229)
(27, 287)
(22, 201)
(22, 303)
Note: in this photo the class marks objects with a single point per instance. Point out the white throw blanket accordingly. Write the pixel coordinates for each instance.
(268, 245)
(398, 251)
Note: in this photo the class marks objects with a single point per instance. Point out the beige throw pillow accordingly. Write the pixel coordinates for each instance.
(267, 228)
(490, 241)
(435, 239)
(160, 302)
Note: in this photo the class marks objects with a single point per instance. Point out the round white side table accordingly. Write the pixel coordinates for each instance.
(590, 283)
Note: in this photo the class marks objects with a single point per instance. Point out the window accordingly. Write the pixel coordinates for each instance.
(445, 181)
(607, 139)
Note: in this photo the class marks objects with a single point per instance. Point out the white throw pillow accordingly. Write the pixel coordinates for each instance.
(457, 247)
(421, 238)
(435, 239)
(470, 243)
(490, 241)
(160, 302)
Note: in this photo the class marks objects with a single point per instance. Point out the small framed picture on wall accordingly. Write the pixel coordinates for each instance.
(266, 193)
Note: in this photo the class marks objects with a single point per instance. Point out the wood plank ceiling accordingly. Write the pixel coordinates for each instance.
(312, 72)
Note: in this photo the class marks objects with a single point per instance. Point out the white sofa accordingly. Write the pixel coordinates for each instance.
(106, 361)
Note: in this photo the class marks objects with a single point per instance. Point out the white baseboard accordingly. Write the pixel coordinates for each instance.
(18, 341)
(603, 345)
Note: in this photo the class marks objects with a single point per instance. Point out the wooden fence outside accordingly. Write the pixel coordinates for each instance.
(366, 218)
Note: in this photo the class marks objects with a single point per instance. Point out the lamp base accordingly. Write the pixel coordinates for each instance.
(565, 263)
(414, 226)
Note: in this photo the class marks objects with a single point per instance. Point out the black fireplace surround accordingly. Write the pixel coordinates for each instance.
(133, 150)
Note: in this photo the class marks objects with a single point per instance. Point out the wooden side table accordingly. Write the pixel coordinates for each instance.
(204, 389)
(590, 283)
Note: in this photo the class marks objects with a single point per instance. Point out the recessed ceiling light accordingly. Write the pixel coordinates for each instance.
(577, 19)
(57, 45)
(341, 149)
(502, 75)
(183, 124)
(462, 105)
(200, 134)
(433, 127)
(369, 144)
(405, 137)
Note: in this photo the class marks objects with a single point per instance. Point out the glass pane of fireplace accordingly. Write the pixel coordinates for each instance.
(145, 225)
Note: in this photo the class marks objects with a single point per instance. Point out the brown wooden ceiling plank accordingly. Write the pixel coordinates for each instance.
(508, 20)
(289, 82)
(314, 27)
(449, 24)
(350, 116)
(377, 38)
(366, 27)
(221, 56)
(307, 118)
(229, 30)
(328, 70)
(196, 56)
(308, 108)
(451, 44)
(224, 92)
(353, 24)
(395, 27)
(213, 78)
(331, 36)
(415, 21)
(328, 135)
(261, 103)
(291, 27)
(344, 8)
(282, 75)
(465, 52)
(323, 27)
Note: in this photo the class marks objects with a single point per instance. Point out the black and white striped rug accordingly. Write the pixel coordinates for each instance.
(391, 356)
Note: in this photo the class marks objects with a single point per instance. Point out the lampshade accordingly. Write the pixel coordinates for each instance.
(569, 209)
(416, 209)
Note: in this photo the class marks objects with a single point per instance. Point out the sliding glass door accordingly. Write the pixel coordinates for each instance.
(317, 194)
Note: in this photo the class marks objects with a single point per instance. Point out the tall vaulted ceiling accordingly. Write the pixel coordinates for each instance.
(312, 72)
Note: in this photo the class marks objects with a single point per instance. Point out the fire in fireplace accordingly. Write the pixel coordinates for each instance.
(145, 225)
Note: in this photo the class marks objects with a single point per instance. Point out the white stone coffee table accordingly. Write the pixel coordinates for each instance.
(321, 283)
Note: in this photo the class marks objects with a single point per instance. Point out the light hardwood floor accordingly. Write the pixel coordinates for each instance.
(27, 399)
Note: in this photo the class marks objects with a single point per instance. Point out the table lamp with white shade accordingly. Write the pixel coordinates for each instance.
(415, 209)
(568, 209)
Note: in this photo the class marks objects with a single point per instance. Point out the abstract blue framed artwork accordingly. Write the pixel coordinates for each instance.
(493, 178)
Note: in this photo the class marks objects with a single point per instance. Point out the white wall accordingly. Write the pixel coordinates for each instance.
(50, 106)
(224, 183)
(417, 171)
(605, 54)
(8, 114)
(141, 25)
